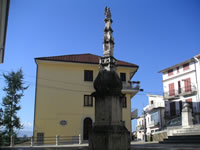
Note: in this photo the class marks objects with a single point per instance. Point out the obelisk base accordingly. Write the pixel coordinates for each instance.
(109, 137)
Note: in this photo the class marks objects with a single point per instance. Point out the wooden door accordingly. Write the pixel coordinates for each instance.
(87, 127)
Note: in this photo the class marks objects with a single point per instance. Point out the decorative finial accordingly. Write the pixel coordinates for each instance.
(107, 13)
(108, 42)
(108, 62)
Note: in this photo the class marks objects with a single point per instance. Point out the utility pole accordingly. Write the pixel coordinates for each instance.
(145, 129)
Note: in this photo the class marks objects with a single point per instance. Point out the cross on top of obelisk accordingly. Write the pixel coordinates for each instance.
(108, 42)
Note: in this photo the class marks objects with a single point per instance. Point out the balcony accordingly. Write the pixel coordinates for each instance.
(154, 106)
(140, 127)
(185, 91)
(130, 88)
(171, 95)
(169, 116)
(154, 124)
(188, 91)
(134, 114)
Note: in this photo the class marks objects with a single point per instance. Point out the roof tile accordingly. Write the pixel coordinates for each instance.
(83, 58)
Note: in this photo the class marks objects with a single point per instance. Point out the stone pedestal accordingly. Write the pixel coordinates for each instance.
(109, 131)
(187, 115)
(113, 137)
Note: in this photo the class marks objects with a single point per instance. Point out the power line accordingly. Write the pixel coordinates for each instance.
(64, 82)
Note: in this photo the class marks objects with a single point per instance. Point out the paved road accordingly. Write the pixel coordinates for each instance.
(134, 146)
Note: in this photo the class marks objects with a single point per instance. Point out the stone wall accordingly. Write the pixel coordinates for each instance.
(158, 136)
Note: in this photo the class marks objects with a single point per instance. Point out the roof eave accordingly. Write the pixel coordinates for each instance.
(130, 66)
(174, 66)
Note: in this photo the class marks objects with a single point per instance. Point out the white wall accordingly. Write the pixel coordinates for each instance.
(193, 73)
(181, 71)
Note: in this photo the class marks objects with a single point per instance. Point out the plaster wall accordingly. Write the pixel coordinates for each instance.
(60, 96)
(180, 72)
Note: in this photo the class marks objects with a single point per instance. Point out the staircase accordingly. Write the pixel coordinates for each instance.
(190, 135)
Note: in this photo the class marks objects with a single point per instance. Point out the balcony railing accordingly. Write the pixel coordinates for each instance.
(171, 116)
(134, 114)
(140, 127)
(153, 124)
(130, 87)
(173, 94)
(190, 90)
(153, 106)
(185, 91)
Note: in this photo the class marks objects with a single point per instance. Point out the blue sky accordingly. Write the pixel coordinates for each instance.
(153, 34)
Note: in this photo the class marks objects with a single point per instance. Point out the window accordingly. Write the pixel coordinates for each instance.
(179, 87)
(177, 69)
(171, 89)
(88, 100)
(186, 66)
(187, 83)
(124, 102)
(170, 72)
(88, 75)
(123, 77)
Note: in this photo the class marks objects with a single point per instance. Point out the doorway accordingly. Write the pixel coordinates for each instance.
(173, 109)
(87, 127)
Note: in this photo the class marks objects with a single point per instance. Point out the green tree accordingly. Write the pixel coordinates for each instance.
(1, 115)
(14, 92)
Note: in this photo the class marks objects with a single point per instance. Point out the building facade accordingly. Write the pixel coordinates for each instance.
(63, 103)
(181, 84)
(152, 118)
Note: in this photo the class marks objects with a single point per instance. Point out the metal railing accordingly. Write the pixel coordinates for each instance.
(140, 127)
(40, 141)
(152, 106)
(131, 86)
(153, 123)
(170, 116)
(190, 90)
(134, 114)
(171, 94)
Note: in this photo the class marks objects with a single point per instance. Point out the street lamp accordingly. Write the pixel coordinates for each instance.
(145, 129)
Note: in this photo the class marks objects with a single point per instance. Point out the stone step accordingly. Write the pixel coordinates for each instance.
(185, 139)
(188, 132)
(184, 134)
(180, 142)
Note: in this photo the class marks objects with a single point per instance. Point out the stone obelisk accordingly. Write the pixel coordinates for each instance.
(109, 131)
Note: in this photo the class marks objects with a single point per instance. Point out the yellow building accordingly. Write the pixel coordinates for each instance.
(63, 104)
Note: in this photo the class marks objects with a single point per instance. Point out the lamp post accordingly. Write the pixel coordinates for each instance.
(145, 134)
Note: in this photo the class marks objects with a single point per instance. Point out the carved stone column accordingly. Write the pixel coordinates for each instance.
(109, 131)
